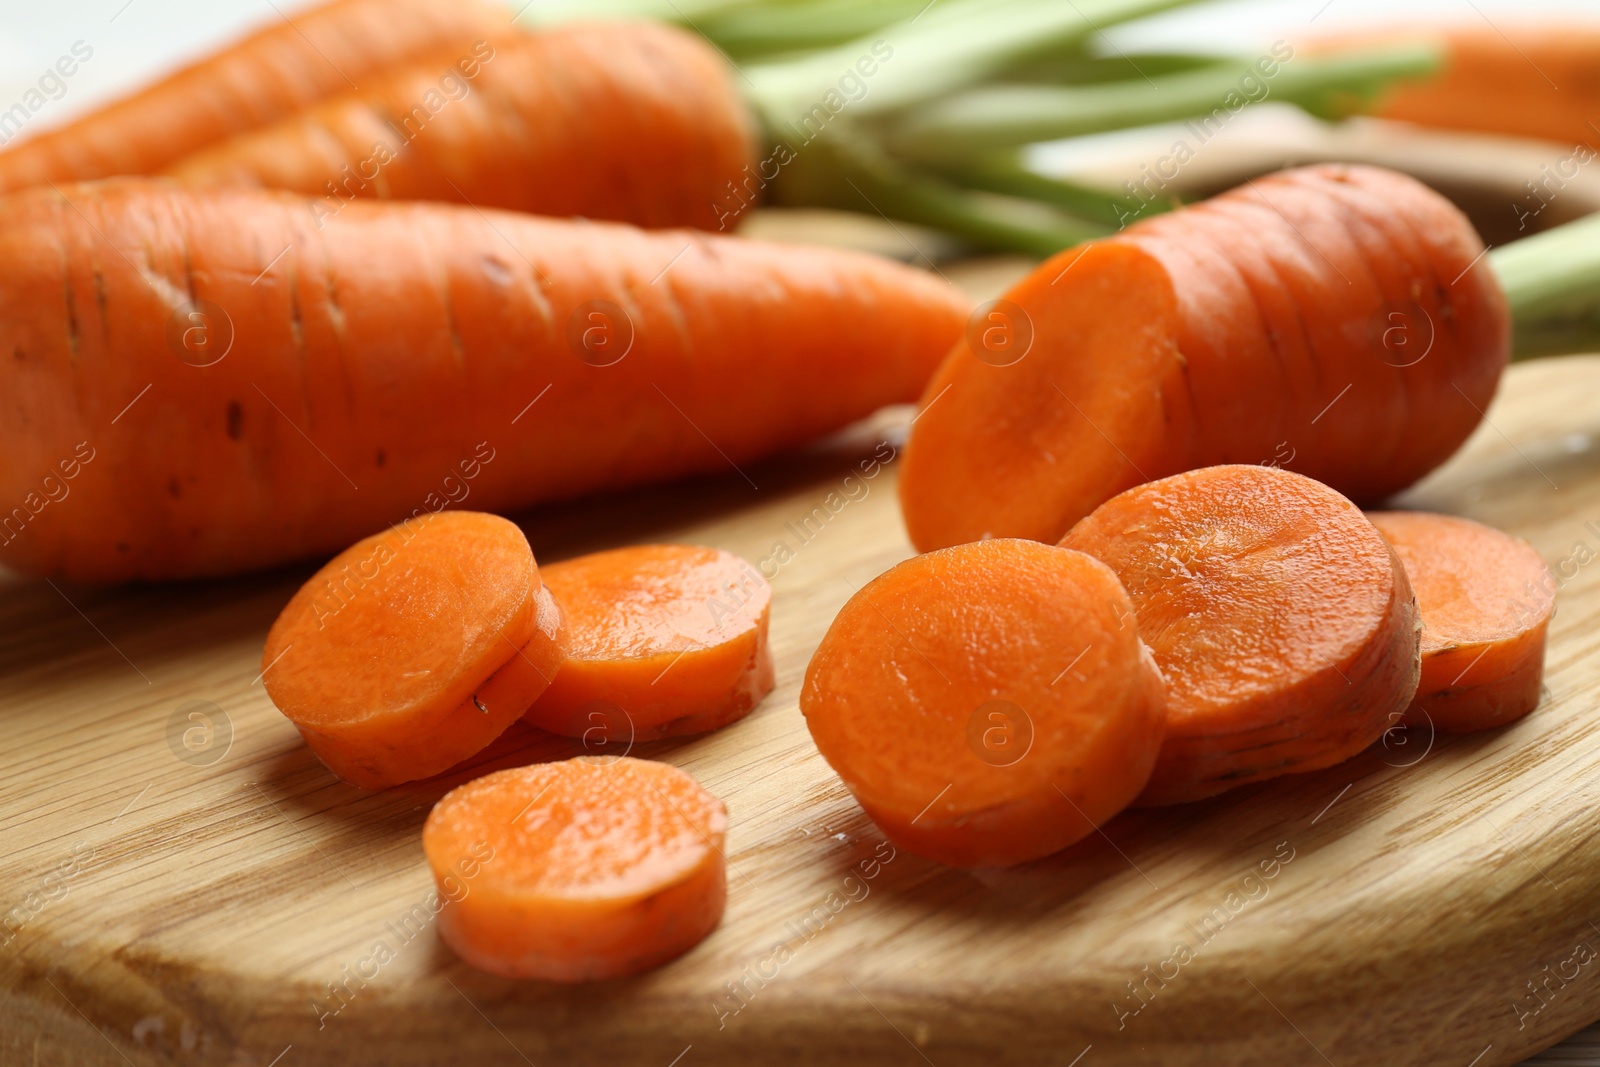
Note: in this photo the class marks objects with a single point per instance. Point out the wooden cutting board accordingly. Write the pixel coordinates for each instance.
(189, 899)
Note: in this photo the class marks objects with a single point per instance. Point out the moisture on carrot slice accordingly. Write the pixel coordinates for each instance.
(987, 704)
(415, 648)
(1284, 625)
(662, 640)
(595, 868)
(1486, 600)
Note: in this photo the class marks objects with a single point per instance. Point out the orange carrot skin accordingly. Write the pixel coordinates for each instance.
(404, 358)
(529, 914)
(1169, 348)
(1486, 599)
(662, 641)
(1527, 81)
(633, 121)
(275, 71)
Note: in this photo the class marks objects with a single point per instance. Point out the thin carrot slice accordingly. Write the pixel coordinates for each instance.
(987, 704)
(662, 640)
(415, 648)
(1486, 600)
(586, 869)
(1284, 625)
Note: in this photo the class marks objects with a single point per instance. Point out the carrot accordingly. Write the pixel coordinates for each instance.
(414, 648)
(1281, 620)
(1486, 599)
(637, 122)
(987, 704)
(285, 66)
(404, 358)
(591, 868)
(662, 640)
(1527, 81)
(1339, 320)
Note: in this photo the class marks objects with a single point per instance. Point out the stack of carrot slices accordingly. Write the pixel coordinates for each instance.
(997, 701)
(415, 649)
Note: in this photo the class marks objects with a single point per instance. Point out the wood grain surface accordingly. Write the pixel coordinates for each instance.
(1433, 901)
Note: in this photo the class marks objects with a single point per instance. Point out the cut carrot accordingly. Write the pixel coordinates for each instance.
(1336, 320)
(415, 648)
(633, 121)
(285, 66)
(1284, 625)
(1486, 600)
(596, 868)
(404, 358)
(662, 640)
(987, 704)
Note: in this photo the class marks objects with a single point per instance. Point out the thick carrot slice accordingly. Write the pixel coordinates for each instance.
(1171, 347)
(586, 869)
(987, 704)
(662, 640)
(1283, 623)
(286, 65)
(415, 648)
(633, 121)
(1486, 600)
(276, 391)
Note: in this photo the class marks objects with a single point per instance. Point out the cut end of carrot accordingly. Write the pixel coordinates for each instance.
(662, 640)
(1486, 600)
(1025, 446)
(415, 648)
(987, 704)
(1284, 625)
(587, 869)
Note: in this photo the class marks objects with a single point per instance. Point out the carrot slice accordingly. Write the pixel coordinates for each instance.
(414, 648)
(1285, 626)
(586, 869)
(662, 640)
(1486, 600)
(987, 704)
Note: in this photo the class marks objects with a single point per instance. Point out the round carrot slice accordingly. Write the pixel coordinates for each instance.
(414, 648)
(987, 704)
(1486, 600)
(1284, 625)
(662, 640)
(590, 868)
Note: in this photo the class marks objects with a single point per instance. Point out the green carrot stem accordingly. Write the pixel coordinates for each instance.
(845, 171)
(1552, 281)
(1005, 172)
(755, 30)
(998, 117)
(948, 46)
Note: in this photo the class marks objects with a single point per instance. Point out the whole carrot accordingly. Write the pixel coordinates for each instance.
(252, 389)
(636, 122)
(288, 64)
(1526, 81)
(1335, 320)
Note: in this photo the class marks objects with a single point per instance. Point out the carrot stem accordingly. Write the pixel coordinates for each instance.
(1005, 116)
(945, 47)
(1006, 173)
(1552, 281)
(851, 173)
